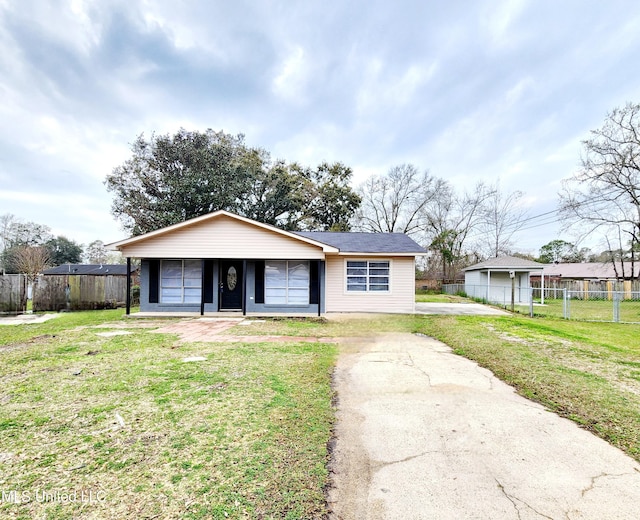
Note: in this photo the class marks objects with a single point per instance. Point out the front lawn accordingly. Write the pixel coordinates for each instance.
(586, 310)
(588, 372)
(120, 426)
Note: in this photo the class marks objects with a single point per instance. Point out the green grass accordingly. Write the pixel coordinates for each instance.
(142, 434)
(440, 298)
(324, 328)
(586, 310)
(587, 372)
(62, 322)
(243, 434)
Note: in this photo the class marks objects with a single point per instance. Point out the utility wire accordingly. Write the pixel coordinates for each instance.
(542, 219)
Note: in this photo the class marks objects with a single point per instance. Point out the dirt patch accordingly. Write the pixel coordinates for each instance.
(33, 341)
(212, 331)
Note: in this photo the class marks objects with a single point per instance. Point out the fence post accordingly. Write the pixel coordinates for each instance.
(616, 307)
(565, 304)
(531, 302)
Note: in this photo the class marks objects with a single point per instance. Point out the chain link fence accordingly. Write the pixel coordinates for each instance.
(620, 306)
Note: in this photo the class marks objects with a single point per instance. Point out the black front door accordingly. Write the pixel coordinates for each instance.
(230, 286)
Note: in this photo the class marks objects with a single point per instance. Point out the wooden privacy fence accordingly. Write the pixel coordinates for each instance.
(79, 292)
(13, 293)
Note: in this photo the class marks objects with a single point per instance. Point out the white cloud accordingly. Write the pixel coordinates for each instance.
(290, 82)
(383, 89)
(499, 20)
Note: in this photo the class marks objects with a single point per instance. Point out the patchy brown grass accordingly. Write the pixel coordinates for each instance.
(122, 427)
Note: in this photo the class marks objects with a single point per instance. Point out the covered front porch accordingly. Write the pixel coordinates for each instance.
(226, 315)
(224, 287)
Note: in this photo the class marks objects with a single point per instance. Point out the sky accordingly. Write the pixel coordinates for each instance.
(471, 90)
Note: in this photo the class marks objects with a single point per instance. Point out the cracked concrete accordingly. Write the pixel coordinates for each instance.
(424, 434)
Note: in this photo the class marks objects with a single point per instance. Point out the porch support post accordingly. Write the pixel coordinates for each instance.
(488, 284)
(128, 299)
(320, 275)
(244, 287)
(202, 288)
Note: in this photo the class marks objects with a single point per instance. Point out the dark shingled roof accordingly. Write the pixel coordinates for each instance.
(365, 242)
(93, 269)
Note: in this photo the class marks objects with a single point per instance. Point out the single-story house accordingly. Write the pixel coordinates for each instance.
(225, 262)
(492, 280)
(595, 278)
(589, 271)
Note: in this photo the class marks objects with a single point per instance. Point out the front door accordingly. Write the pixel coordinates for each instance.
(230, 286)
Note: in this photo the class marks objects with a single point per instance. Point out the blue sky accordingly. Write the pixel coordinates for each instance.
(471, 90)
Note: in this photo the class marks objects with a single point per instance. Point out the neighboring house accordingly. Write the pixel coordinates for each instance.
(225, 262)
(492, 279)
(590, 278)
(111, 270)
(588, 271)
(88, 269)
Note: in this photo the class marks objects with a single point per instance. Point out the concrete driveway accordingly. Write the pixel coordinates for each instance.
(424, 434)
(472, 309)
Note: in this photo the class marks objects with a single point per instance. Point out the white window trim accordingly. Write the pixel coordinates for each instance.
(367, 292)
(182, 302)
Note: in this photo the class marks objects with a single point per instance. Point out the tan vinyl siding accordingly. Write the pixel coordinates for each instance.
(400, 299)
(223, 237)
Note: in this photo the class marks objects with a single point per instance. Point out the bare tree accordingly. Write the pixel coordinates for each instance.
(604, 195)
(16, 233)
(7, 223)
(501, 219)
(430, 210)
(452, 219)
(30, 261)
(397, 202)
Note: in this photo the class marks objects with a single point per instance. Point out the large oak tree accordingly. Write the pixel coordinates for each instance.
(172, 178)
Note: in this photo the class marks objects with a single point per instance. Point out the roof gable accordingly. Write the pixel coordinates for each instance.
(196, 221)
(222, 235)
